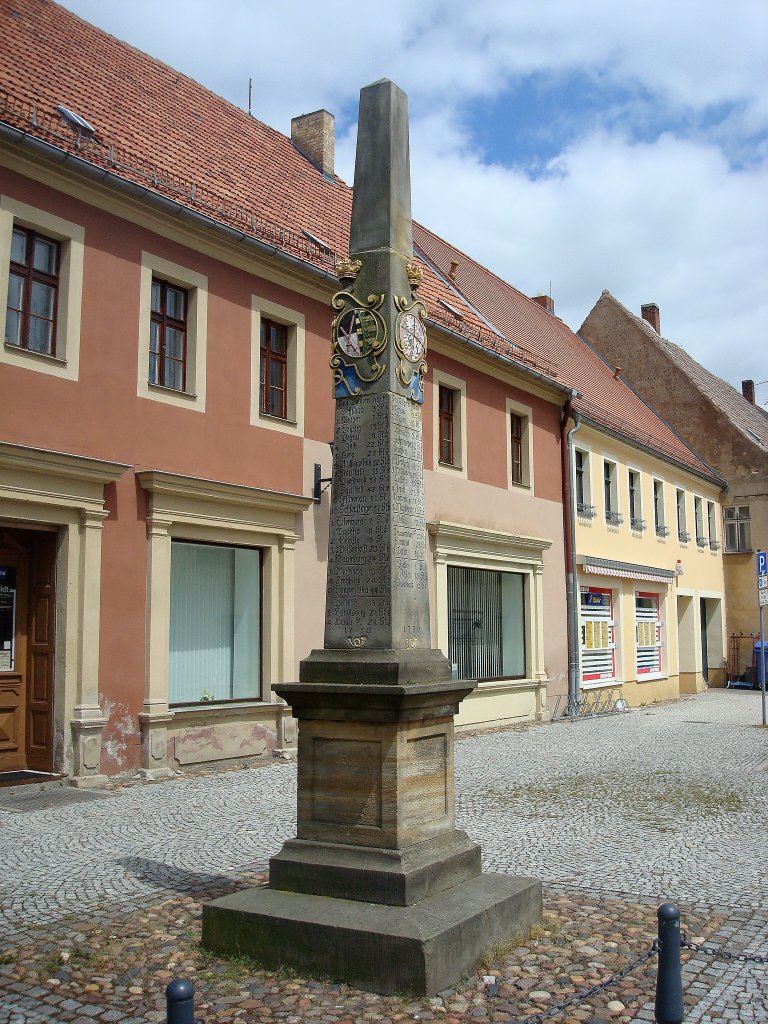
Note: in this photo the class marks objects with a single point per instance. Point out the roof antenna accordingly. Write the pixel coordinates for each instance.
(250, 89)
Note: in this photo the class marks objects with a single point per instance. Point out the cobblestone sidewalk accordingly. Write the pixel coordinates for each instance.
(615, 815)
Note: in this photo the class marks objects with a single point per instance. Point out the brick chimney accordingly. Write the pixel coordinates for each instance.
(546, 302)
(748, 390)
(313, 135)
(650, 312)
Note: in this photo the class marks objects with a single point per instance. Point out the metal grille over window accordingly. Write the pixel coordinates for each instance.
(647, 633)
(597, 635)
(33, 285)
(486, 623)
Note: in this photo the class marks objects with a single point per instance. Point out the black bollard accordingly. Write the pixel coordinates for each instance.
(669, 980)
(180, 1002)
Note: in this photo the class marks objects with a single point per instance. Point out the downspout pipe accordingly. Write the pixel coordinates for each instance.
(569, 534)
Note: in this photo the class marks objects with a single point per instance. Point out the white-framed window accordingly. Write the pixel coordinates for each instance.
(449, 429)
(583, 484)
(489, 602)
(682, 518)
(736, 528)
(714, 543)
(41, 287)
(519, 444)
(648, 643)
(173, 331)
(636, 521)
(486, 623)
(598, 636)
(278, 343)
(659, 512)
(611, 494)
(698, 521)
(215, 623)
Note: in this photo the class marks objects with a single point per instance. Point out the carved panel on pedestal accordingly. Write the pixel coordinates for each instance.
(346, 785)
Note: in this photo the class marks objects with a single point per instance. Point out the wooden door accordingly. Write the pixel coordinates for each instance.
(14, 571)
(27, 617)
(40, 639)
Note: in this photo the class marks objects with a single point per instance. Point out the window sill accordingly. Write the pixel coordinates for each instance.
(277, 419)
(519, 485)
(42, 356)
(450, 466)
(741, 551)
(651, 677)
(220, 709)
(163, 390)
(509, 683)
(598, 684)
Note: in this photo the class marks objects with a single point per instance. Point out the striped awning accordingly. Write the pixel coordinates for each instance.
(626, 570)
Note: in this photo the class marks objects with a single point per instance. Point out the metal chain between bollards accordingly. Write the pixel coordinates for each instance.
(722, 954)
(579, 997)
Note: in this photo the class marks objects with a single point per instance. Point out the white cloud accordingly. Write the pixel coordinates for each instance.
(673, 219)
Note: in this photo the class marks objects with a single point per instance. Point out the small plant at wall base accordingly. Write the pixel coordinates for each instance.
(207, 696)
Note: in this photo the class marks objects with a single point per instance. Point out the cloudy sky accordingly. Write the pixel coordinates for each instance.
(567, 146)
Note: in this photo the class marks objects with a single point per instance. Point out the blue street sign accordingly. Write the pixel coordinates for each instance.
(762, 570)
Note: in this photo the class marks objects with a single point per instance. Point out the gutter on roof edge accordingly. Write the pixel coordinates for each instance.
(521, 367)
(89, 170)
(714, 478)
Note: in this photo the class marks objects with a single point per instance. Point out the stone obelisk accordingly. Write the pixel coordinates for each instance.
(379, 887)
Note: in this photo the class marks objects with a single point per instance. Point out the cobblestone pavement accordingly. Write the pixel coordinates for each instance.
(666, 802)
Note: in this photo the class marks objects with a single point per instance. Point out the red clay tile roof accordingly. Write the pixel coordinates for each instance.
(160, 129)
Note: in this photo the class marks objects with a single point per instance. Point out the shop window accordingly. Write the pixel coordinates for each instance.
(598, 647)
(736, 525)
(647, 634)
(486, 623)
(214, 623)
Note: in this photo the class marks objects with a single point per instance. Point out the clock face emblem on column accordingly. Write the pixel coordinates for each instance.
(413, 337)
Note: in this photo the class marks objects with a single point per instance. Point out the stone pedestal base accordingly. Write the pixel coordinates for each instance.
(418, 949)
(396, 877)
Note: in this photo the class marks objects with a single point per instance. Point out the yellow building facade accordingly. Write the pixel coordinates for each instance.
(650, 572)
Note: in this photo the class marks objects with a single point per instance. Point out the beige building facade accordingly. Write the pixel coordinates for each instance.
(727, 428)
(650, 572)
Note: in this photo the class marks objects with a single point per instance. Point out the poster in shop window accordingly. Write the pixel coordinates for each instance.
(7, 617)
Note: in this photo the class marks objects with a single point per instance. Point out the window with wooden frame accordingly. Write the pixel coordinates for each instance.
(446, 425)
(168, 336)
(737, 528)
(273, 395)
(33, 292)
(516, 429)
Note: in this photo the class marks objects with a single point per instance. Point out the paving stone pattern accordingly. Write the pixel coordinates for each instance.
(615, 814)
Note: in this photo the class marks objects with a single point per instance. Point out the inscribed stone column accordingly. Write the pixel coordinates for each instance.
(378, 888)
